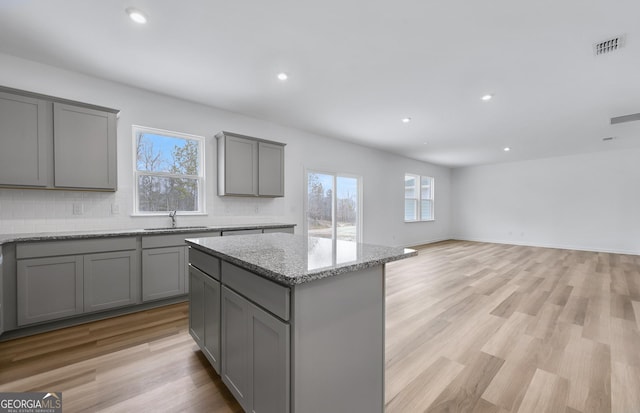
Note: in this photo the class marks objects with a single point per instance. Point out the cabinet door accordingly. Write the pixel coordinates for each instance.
(49, 288)
(270, 169)
(84, 148)
(235, 349)
(196, 305)
(25, 140)
(110, 280)
(163, 272)
(241, 166)
(211, 346)
(268, 362)
(204, 314)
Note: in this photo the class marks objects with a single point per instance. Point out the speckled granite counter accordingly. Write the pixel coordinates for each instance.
(71, 235)
(294, 259)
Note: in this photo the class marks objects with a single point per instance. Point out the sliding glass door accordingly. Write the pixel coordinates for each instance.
(333, 206)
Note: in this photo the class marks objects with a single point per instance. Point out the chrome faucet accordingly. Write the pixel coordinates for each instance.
(172, 215)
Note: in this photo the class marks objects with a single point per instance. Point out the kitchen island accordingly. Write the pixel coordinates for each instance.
(292, 324)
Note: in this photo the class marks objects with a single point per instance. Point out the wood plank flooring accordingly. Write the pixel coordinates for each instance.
(471, 327)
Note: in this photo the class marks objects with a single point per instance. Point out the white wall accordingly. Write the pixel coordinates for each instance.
(585, 202)
(383, 173)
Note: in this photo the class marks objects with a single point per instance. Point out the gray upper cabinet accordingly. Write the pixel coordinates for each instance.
(249, 166)
(270, 169)
(239, 173)
(84, 147)
(52, 143)
(25, 140)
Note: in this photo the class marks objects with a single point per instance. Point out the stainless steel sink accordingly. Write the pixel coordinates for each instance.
(174, 228)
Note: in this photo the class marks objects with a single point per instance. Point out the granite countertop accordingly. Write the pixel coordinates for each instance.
(70, 235)
(295, 259)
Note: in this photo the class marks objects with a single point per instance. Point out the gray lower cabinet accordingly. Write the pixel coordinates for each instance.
(111, 280)
(235, 349)
(163, 272)
(255, 355)
(268, 362)
(204, 309)
(59, 279)
(56, 287)
(49, 288)
(25, 140)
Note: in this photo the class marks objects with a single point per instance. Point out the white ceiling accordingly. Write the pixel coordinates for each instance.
(357, 67)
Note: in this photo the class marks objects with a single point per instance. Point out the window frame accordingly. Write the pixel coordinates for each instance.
(200, 179)
(418, 199)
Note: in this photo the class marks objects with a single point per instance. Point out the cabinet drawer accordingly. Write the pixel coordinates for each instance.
(267, 294)
(205, 263)
(173, 240)
(287, 230)
(73, 247)
(241, 232)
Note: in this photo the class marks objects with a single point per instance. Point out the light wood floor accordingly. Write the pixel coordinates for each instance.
(471, 327)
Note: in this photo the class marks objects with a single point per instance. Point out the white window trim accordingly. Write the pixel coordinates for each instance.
(201, 178)
(334, 200)
(419, 199)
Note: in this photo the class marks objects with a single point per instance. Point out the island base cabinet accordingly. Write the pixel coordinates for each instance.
(235, 352)
(268, 362)
(255, 355)
(49, 288)
(204, 314)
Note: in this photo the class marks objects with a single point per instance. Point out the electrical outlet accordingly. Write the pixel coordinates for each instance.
(78, 209)
(115, 209)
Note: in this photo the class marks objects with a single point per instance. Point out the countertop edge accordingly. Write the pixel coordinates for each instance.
(317, 275)
(52, 236)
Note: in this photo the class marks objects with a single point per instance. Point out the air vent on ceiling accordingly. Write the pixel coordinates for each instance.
(609, 45)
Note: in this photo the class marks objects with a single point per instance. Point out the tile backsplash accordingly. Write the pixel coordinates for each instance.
(27, 211)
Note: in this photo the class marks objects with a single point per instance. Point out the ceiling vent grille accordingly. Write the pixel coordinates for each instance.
(608, 46)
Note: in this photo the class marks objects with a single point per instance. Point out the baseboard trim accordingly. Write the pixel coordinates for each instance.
(429, 242)
(549, 245)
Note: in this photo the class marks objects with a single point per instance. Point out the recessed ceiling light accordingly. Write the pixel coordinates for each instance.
(283, 76)
(136, 15)
(424, 143)
(487, 97)
(506, 149)
(406, 120)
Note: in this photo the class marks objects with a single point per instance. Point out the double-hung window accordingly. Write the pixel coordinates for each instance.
(169, 172)
(418, 198)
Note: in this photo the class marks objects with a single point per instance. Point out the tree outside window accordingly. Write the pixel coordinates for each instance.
(169, 172)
